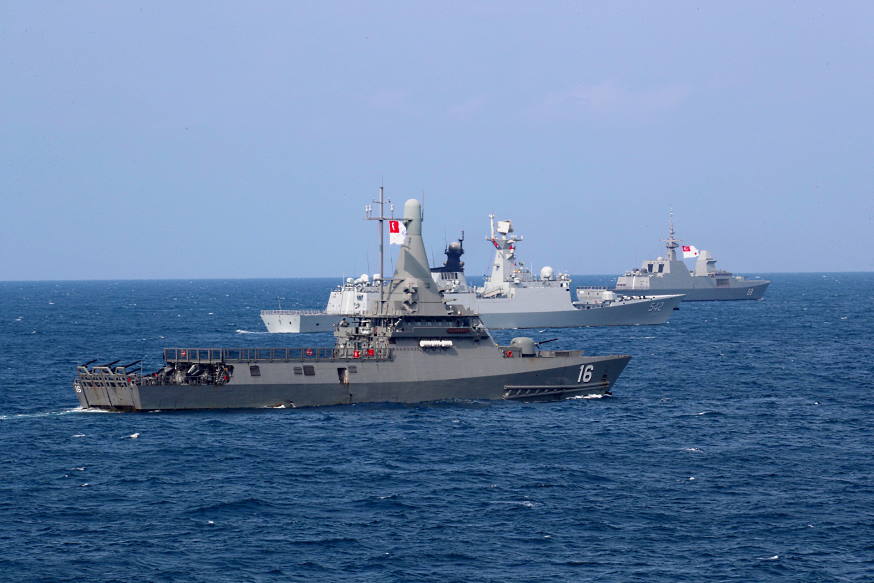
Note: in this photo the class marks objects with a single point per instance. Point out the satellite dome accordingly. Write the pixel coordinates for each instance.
(547, 273)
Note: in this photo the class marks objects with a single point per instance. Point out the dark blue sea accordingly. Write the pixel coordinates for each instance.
(737, 447)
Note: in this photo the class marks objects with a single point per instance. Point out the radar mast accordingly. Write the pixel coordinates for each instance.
(368, 214)
(671, 243)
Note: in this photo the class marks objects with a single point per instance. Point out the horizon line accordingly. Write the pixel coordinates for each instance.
(344, 277)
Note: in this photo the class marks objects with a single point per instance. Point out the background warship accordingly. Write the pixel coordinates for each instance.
(512, 297)
(671, 276)
(411, 348)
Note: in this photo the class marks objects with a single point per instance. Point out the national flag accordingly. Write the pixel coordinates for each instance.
(397, 232)
(689, 251)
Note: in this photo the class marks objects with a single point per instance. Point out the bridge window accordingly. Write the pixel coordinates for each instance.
(649, 267)
(661, 267)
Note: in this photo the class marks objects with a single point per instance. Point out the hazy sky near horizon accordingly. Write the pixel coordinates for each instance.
(228, 139)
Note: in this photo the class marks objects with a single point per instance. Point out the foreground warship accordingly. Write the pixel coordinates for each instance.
(671, 276)
(511, 298)
(411, 348)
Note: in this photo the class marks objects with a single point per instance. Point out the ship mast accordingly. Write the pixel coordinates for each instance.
(671, 243)
(368, 213)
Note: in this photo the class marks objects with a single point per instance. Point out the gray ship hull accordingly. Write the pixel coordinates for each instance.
(506, 314)
(656, 311)
(746, 290)
(560, 377)
(289, 321)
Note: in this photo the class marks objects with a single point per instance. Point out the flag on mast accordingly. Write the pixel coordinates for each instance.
(397, 232)
(690, 251)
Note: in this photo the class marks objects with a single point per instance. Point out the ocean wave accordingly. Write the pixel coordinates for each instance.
(49, 413)
(516, 503)
(591, 396)
(364, 493)
(232, 506)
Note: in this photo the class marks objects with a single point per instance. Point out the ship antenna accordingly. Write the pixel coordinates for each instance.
(671, 242)
(368, 212)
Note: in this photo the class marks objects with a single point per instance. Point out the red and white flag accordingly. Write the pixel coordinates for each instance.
(689, 251)
(397, 232)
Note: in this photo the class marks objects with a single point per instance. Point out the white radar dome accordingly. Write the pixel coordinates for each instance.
(547, 272)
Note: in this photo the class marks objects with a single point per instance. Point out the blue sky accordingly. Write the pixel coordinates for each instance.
(220, 139)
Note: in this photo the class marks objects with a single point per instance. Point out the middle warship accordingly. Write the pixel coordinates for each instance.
(511, 298)
(412, 347)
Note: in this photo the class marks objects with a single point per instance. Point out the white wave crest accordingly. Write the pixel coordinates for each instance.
(523, 503)
(592, 396)
(49, 413)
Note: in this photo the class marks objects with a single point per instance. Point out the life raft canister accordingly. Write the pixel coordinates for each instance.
(356, 354)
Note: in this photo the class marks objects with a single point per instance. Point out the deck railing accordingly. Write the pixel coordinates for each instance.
(211, 355)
